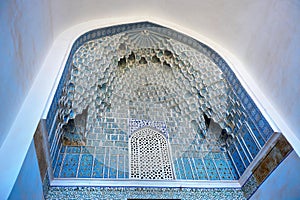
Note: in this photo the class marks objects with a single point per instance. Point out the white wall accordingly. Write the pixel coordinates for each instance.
(283, 183)
(25, 39)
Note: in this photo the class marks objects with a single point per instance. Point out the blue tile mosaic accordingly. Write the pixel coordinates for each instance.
(242, 153)
(52, 133)
(259, 138)
(63, 149)
(87, 150)
(56, 154)
(69, 166)
(73, 149)
(250, 143)
(121, 174)
(223, 169)
(199, 169)
(143, 193)
(135, 124)
(57, 165)
(193, 169)
(85, 168)
(178, 170)
(249, 187)
(211, 169)
(238, 162)
(98, 169)
(121, 168)
(112, 173)
(233, 170)
(245, 149)
(187, 168)
(113, 164)
(231, 166)
(106, 172)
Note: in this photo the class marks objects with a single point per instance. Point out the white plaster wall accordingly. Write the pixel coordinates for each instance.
(283, 183)
(272, 59)
(25, 39)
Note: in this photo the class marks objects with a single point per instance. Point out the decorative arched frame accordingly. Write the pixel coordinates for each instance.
(247, 129)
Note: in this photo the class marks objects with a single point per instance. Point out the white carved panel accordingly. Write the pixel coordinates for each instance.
(149, 156)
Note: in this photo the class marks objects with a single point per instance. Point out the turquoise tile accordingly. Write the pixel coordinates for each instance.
(85, 168)
(70, 165)
(98, 169)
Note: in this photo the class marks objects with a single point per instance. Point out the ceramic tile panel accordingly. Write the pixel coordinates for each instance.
(70, 166)
(98, 168)
(250, 187)
(223, 169)
(199, 169)
(85, 167)
(243, 153)
(143, 193)
(212, 172)
(238, 162)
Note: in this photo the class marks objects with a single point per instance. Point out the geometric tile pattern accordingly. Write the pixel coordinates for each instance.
(82, 193)
(250, 187)
(273, 158)
(149, 155)
(211, 167)
(135, 124)
(90, 162)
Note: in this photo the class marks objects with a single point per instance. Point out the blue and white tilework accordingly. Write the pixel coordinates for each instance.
(83, 193)
(174, 98)
(250, 187)
(135, 124)
(91, 162)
